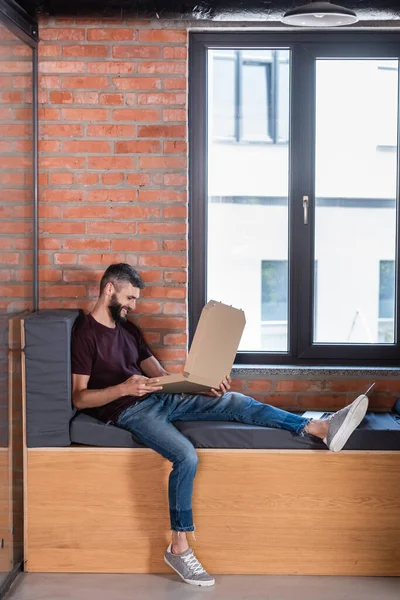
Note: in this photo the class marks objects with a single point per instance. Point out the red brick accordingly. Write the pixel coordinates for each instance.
(162, 67)
(137, 146)
(152, 337)
(162, 131)
(177, 52)
(161, 98)
(9, 258)
(175, 114)
(259, 385)
(91, 146)
(71, 195)
(49, 82)
(174, 179)
(140, 114)
(86, 98)
(11, 98)
(151, 276)
(135, 212)
(62, 178)
(112, 227)
(161, 196)
(87, 244)
(162, 162)
(86, 178)
(151, 260)
(175, 339)
(163, 35)
(15, 66)
(112, 178)
(61, 162)
(49, 114)
(50, 275)
(175, 276)
(174, 245)
(49, 212)
(134, 245)
(138, 179)
(85, 50)
(86, 212)
(175, 83)
(165, 292)
(137, 83)
(49, 146)
(65, 259)
(49, 50)
(112, 99)
(49, 243)
(136, 51)
(175, 147)
(85, 114)
(101, 259)
(162, 228)
(59, 130)
(110, 68)
(112, 162)
(299, 385)
(350, 385)
(157, 323)
(175, 212)
(122, 195)
(69, 66)
(62, 227)
(79, 275)
(68, 34)
(61, 97)
(322, 401)
(93, 83)
(116, 131)
(64, 291)
(110, 34)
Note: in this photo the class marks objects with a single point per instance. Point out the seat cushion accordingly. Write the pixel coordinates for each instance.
(378, 431)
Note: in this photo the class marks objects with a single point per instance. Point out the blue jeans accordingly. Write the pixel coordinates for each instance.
(151, 420)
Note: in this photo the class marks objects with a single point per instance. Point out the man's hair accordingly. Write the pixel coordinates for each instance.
(121, 273)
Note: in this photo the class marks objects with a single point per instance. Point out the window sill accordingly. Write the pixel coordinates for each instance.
(260, 371)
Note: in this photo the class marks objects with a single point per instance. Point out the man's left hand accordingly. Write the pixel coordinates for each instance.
(224, 387)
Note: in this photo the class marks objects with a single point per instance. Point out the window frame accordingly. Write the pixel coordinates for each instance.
(305, 48)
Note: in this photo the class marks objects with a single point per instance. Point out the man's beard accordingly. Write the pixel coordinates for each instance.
(115, 309)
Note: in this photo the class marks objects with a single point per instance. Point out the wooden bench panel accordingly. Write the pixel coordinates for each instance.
(256, 511)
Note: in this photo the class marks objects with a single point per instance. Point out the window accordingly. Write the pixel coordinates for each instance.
(249, 95)
(302, 182)
(274, 304)
(386, 301)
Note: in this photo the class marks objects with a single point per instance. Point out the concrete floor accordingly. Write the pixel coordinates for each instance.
(46, 586)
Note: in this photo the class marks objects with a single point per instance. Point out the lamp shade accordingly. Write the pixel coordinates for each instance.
(319, 14)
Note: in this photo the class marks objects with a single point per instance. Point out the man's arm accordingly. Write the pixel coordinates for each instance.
(152, 368)
(137, 385)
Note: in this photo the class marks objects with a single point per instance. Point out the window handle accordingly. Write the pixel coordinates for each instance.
(305, 209)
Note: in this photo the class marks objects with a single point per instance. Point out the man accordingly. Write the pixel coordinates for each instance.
(115, 378)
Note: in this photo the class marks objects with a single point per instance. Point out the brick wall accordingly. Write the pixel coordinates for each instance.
(15, 174)
(113, 174)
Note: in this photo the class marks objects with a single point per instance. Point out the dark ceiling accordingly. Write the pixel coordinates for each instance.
(219, 10)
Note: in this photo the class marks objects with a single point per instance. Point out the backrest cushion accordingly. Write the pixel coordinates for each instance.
(49, 407)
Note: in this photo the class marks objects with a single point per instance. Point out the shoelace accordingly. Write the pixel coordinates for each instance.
(194, 564)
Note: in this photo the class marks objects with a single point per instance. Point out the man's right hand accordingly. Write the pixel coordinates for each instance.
(138, 385)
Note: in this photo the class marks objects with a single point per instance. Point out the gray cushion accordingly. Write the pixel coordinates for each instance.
(48, 377)
(378, 431)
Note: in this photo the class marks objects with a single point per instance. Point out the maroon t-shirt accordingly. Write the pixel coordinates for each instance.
(109, 356)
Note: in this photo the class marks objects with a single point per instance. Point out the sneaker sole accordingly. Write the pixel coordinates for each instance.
(351, 422)
(190, 581)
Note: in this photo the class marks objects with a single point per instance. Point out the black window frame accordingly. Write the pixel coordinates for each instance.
(305, 48)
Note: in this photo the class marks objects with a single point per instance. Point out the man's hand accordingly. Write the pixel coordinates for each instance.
(224, 387)
(138, 385)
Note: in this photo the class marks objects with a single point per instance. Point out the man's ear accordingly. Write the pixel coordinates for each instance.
(109, 289)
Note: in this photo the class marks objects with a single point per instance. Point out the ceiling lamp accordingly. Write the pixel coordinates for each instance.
(319, 14)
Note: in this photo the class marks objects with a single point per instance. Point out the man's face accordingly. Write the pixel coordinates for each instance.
(123, 301)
